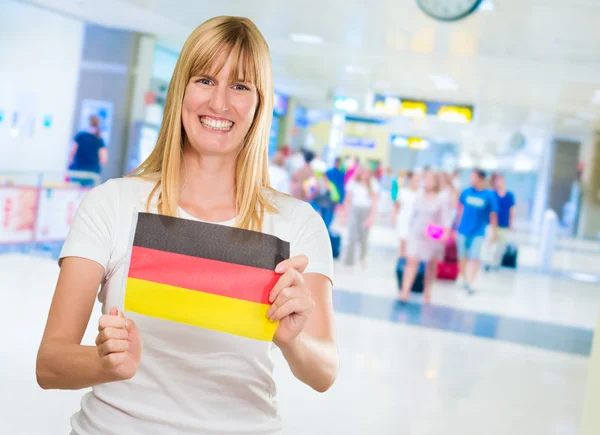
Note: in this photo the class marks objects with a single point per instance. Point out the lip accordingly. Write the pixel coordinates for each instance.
(216, 118)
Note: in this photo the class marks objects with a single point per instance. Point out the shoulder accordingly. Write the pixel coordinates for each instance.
(125, 190)
(289, 208)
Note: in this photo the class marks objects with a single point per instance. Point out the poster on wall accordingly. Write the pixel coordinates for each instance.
(104, 111)
(56, 212)
(17, 213)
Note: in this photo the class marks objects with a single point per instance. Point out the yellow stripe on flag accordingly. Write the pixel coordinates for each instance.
(204, 310)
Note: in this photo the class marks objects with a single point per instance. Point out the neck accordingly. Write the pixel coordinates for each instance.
(208, 182)
(501, 191)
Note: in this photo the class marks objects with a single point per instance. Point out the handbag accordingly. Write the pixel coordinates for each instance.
(435, 232)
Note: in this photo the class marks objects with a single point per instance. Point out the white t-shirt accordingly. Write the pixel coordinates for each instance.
(407, 199)
(280, 179)
(190, 380)
(360, 193)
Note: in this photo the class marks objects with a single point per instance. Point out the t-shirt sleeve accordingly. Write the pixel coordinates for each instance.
(511, 202)
(310, 238)
(77, 137)
(92, 230)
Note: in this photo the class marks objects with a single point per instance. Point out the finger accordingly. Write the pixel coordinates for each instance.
(130, 325)
(114, 311)
(108, 321)
(111, 333)
(112, 346)
(299, 306)
(291, 278)
(284, 295)
(298, 262)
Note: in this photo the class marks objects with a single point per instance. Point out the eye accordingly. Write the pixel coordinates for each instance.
(239, 87)
(204, 81)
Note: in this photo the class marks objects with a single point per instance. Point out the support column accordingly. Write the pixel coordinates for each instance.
(589, 215)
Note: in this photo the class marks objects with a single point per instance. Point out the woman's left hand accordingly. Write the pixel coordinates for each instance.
(291, 300)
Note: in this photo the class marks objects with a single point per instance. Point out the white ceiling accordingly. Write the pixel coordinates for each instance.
(526, 62)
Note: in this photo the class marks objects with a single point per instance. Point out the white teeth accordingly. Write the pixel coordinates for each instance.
(216, 125)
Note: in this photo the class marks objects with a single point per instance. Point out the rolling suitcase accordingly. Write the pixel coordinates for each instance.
(509, 259)
(418, 285)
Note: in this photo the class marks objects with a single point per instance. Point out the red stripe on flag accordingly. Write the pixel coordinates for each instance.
(209, 276)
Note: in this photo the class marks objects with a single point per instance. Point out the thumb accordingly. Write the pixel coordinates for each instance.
(114, 311)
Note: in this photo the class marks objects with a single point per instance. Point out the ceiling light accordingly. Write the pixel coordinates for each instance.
(596, 97)
(306, 38)
(443, 82)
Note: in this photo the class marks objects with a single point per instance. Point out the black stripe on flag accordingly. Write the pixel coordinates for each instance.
(211, 241)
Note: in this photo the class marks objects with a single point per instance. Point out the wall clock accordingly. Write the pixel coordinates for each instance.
(449, 10)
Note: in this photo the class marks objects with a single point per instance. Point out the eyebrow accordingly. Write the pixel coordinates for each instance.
(214, 79)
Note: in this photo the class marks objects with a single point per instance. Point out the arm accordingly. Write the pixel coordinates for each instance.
(494, 225)
(312, 355)
(72, 153)
(306, 334)
(373, 213)
(62, 362)
(103, 156)
(511, 217)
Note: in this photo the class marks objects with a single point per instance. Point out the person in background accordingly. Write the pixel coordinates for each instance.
(335, 175)
(386, 206)
(429, 230)
(295, 161)
(506, 212)
(449, 195)
(88, 152)
(397, 184)
(456, 180)
(478, 208)
(360, 208)
(407, 197)
(352, 166)
(280, 178)
(304, 182)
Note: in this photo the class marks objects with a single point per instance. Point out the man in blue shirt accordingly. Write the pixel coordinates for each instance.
(506, 209)
(478, 208)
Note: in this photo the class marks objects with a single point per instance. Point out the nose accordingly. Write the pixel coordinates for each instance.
(219, 101)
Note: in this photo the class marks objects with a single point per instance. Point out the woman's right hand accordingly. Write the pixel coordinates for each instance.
(119, 345)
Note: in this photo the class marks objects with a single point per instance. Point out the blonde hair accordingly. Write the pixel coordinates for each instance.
(207, 49)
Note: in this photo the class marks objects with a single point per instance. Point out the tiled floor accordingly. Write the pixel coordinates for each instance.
(509, 360)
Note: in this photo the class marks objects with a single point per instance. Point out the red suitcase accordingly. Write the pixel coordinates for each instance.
(448, 271)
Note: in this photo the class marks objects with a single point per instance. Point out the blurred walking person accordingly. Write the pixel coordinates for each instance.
(429, 230)
(478, 208)
(360, 208)
(506, 213)
(405, 205)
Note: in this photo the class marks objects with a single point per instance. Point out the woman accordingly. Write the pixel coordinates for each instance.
(360, 210)
(405, 204)
(429, 231)
(88, 152)
(210, 165)
(448, 194)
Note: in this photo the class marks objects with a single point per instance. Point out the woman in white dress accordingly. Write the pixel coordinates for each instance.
(407, 197)
(429, 231)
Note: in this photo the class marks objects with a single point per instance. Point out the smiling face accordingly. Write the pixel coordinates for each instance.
(217, 113)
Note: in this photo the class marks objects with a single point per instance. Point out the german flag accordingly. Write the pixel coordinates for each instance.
(205, 275)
